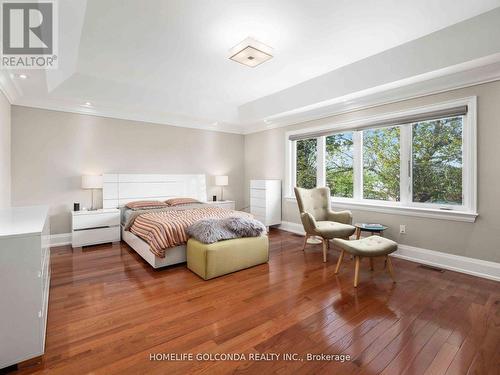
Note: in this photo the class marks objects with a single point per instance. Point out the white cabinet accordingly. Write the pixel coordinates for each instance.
(230, 205)
(95, 227)
(24, 282)
(265, 201)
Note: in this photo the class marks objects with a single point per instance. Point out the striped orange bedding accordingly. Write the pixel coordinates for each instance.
(165, 229)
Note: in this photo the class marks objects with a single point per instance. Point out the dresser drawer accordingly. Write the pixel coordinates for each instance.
(96, 220)
(258, 211)
(258, 184)
(95, 236)
(258, 202)
(258, 193)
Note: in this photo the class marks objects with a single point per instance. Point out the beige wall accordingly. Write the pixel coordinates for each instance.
(5, 129)
(51, 150)
(265, 158)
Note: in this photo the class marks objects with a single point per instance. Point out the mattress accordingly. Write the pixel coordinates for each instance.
(164, 229)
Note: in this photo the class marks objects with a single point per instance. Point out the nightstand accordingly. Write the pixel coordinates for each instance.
(230, 205)
(95, 227)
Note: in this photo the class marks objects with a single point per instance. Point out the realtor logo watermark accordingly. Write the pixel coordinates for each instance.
(29, 34)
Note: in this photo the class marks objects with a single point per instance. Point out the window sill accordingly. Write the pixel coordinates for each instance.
(432, 213)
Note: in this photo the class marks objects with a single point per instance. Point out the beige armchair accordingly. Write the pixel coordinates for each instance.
(319, 220)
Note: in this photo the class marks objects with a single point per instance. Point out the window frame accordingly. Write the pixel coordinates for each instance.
(466, 212)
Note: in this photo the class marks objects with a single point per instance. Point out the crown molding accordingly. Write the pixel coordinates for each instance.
(473, 73)
(129, 115)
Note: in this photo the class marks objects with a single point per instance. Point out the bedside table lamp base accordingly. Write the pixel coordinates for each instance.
(92, 182)
(92, 200)
(221, 181)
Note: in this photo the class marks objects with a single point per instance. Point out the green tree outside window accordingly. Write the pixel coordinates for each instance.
(437, 161)
(339, 164)
(306, 163)
(381, 163)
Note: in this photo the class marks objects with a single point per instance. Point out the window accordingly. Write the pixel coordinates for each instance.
(381, 164)
(306, 163)
(437, 161)
(339, 164)
(419, 159)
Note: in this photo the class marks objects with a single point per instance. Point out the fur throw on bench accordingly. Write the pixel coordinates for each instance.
(213, 230)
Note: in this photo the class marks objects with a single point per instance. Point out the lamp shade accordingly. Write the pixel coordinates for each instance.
(91, 182)
(221, 180)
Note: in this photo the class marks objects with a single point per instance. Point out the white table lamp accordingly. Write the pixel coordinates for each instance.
(92, 182)
(221, 181)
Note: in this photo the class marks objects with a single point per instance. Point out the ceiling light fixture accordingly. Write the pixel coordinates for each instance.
(88, 104)
(22, 76)
(251, 52)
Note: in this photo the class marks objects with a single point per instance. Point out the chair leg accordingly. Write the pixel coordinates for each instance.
(325, 249)
(306, 237)
(339, 262)
(356, 271)
(371, 264)
(389, 268)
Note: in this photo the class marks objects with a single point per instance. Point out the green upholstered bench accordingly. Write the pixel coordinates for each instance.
(368, 247)
(223, 257)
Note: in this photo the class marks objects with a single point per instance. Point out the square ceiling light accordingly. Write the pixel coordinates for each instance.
(251, 52)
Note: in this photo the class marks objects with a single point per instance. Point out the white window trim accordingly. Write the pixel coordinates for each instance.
(469, 211)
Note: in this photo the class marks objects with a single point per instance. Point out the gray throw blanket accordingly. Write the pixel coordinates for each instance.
(213, 230)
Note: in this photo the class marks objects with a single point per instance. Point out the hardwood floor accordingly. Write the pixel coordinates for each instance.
(109, 311)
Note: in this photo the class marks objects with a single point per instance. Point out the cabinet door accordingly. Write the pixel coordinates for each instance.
(21, 294)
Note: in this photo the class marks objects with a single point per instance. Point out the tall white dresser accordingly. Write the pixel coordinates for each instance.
(265, 201)
(24, 282)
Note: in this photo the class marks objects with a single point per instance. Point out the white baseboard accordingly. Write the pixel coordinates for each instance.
(60, 239)
(292, 227)
(469, 266)
(457, 263)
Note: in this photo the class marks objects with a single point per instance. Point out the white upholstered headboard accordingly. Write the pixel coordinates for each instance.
(119, 189)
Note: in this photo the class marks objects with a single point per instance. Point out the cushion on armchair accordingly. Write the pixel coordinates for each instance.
(317, 216)
(331, 229)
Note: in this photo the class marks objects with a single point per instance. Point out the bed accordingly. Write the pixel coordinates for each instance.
(120, 189)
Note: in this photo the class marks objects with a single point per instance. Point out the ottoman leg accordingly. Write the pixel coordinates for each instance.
(389, 267)
(356, 271)
(325, 249)
(339, 262)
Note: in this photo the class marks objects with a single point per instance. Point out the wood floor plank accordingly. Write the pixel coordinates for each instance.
(109, 311)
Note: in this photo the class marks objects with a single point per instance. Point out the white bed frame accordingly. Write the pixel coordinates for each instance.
(120, 189)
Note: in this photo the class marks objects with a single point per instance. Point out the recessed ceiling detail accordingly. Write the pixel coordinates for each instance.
(323, 54)
(251, 52)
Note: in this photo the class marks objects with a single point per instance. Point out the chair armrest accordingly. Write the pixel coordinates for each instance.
(308, 222)
(344, 217)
